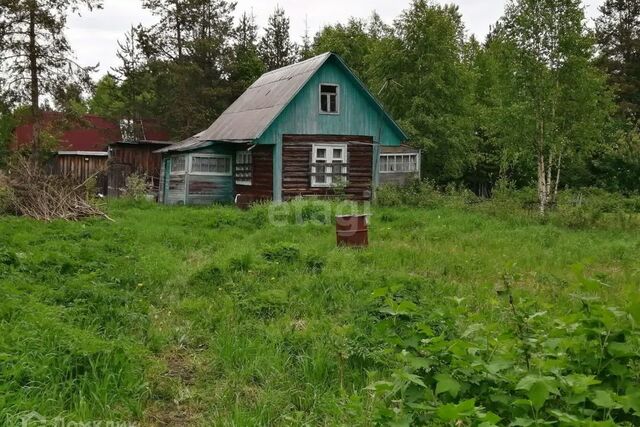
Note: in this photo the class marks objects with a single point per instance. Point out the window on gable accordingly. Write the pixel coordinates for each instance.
(244, 168)
(329, 165)
(392, 163)
(211, 165)
(329, 99)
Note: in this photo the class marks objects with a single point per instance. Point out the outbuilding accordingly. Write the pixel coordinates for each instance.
(308, 129)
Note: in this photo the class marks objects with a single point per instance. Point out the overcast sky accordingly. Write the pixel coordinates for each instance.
(94, 35)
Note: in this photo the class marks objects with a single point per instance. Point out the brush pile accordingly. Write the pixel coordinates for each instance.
(34, 193)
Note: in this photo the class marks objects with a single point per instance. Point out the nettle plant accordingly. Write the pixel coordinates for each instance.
(581, 368)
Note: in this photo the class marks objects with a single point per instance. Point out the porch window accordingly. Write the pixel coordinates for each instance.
(399, 163)
(178, 165)
(211, 164)
(244, 168)
(329, 99)
(329, 165)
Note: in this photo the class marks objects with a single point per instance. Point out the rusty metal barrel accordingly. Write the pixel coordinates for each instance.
(352, 230)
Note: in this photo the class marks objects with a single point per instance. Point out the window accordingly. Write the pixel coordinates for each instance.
(244, 169)
(178, 165)
(399, 163)
(210, 165)
(329, 99)
(329, 165)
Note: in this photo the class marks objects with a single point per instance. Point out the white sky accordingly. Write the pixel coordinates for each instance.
(93, 35)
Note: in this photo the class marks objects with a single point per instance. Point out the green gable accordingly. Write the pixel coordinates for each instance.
(359, 114)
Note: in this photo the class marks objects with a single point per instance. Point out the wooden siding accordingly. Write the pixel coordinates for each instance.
(297, 156)
(140, 157)
(176, 190)
(358, 116)
(261, 187)
(358, 113)
(80, 168)
(126, 159)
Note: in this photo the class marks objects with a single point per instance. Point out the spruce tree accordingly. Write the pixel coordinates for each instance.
(618, 33)
(246, 63)
(276, 48)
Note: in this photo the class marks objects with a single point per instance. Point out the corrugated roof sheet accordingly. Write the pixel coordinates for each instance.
(251, 114)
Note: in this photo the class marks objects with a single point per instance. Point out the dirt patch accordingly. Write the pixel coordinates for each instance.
(172, 415)
(180, 367)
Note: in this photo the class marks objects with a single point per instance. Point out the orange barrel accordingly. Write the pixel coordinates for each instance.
(352, 230)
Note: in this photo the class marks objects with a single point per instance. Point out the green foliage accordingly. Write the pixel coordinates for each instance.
(212, 315)
(530, 367)
(434, 108)
(618, 34)
(108, 100)
(285, 253)
(419, 194)
(137, 187)
(276, 48)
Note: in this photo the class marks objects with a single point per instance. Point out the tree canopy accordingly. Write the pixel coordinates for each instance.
(543, 100)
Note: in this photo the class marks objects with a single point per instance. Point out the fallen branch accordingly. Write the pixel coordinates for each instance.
(46, 197)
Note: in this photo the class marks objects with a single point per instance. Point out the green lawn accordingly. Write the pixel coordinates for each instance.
(213, 316)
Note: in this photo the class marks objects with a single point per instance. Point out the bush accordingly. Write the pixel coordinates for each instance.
(422, 194)
(581, 368)
(6, 196)
(591, 207)
(137, 187)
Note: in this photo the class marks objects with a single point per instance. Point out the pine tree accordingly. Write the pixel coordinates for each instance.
(35, 55)
(618, 33)
(276, 48)
(188, 51)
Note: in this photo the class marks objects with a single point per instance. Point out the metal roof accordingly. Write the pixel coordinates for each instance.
(256, 109)
(251, 114)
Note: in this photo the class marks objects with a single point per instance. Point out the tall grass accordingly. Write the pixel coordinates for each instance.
(215, 316)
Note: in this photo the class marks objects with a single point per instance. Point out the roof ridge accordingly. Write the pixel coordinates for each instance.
(297, 63)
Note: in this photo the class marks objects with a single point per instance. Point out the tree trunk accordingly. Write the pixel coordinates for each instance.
(35, 84)
(179, 29)
(543, 184)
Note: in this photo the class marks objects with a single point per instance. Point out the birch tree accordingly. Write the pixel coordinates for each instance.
(558, 98)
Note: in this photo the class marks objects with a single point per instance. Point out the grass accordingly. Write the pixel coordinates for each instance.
(201, 316)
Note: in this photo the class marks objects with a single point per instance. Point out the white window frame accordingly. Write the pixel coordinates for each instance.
(330, 113)
(388, 156)
(329, 160)
(210, 156)
(249, 156)
(186, 164)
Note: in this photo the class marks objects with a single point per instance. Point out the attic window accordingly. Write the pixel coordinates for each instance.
(329, 99)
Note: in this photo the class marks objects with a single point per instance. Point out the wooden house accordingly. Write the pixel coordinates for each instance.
(309, 129)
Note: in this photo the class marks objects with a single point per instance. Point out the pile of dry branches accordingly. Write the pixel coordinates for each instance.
(39, 195)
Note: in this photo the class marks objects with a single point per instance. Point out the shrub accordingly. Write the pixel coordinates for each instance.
(422, 194)
(6, 196)
(137, 187)
(532, 368)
